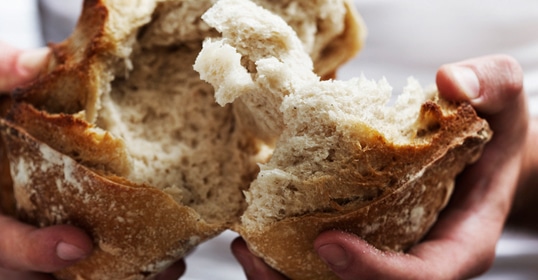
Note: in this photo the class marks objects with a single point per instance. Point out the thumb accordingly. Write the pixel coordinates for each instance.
(18, 67)
(350, 257)
(26, 248)
(488, 83)
(494, 86)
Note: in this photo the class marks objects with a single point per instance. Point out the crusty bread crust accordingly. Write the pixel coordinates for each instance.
(343, 47)
(7, 199)
(343, 160)
(138, 230)
(72, 162)
(420, 187)
(119, 136)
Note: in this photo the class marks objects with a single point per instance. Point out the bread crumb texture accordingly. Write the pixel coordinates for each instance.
(160, 123)
(345, 157)
(121, 137)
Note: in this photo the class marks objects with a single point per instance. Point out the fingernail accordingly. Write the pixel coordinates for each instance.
(467, 80)
(68, 252)
(334, 255)
(32, 61)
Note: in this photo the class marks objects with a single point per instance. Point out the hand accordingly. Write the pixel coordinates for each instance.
(24, 248)
(462, 242)
(18, 67)
(27, 252)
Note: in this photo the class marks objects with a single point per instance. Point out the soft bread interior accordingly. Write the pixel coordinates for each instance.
(179, 140)
(122, 107)
(260, 65)
(145, 96)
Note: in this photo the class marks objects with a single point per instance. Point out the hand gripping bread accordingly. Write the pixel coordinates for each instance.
(121, 137)
(343, 158)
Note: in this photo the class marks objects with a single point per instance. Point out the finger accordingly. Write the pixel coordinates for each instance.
(254, 267)
(173, 272)
(350, 257)
(18, 67)
(487, 82)
(462, 243)
(26, 248)
(501, 99)
(474, 219)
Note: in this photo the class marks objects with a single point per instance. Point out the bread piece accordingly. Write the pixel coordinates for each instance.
(7, 199)
(344, 158)
(120, 137)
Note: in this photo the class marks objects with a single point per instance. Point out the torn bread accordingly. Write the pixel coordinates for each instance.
(344, 158)
(122, 138)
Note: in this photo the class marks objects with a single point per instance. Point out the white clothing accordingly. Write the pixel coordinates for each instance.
(406, 38)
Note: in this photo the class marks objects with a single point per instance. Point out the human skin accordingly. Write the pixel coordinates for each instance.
(28, 252)
(462, 242)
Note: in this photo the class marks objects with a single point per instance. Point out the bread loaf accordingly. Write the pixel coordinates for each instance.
(122, 136)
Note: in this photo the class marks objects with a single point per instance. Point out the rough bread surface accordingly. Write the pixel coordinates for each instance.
(344, 158)
(256, 64)
(119, 136)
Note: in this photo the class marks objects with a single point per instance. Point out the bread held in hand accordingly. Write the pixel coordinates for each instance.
(344, 158)
(121, 137)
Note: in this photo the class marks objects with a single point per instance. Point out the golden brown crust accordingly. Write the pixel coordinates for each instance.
(87, 145)
(344, 47)
(7, 200)
(67, 171)
(421, 184)
(69, 79)
(137, 230)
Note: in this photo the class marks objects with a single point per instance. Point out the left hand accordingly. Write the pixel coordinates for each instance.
(462, 242)
(19, 66)
(27, 252)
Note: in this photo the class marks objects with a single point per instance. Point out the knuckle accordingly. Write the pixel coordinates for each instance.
(501, 81)
(513, 74)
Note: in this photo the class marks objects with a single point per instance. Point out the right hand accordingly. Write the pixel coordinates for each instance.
(462, 243)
